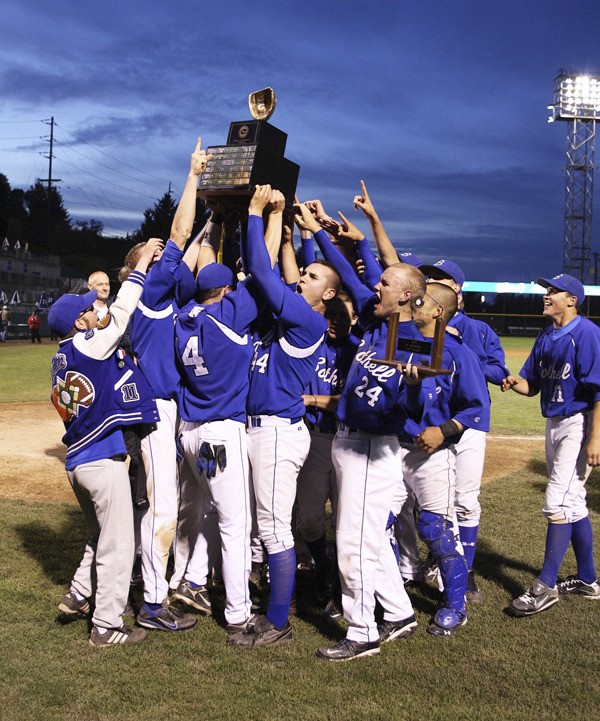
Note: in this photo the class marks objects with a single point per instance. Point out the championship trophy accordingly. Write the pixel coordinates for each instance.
(254, 155)
(408, 345)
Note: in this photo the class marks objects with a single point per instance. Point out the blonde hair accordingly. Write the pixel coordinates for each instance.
(132, 257)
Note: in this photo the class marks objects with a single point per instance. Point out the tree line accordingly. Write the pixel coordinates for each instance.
(38, 217)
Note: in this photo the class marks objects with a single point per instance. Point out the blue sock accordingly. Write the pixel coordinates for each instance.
(558, 537)
(282, 574)
(152, 607)
(468, 538)
(582, 539)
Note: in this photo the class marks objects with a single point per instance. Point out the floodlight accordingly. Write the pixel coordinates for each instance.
(577, 101)
(576, 96)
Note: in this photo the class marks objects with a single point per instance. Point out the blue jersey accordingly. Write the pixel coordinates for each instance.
(482, 340)
(371, 399)
(153, 323)
(334, 360)
(214, 351)
(564, 366)
(97, 389)
(285, 357)
(461, 395)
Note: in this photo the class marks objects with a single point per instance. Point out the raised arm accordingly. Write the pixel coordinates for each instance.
(103, 342)
(183, 222)
(259, 262)
(274, 224)
(387, 252)
(289, 264)
(360, 293)
(372, 270)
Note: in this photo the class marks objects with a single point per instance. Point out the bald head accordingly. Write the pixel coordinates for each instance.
(400, 285)
(444, 296)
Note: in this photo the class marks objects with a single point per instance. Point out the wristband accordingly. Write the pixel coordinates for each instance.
(315, 400)
(449, 429)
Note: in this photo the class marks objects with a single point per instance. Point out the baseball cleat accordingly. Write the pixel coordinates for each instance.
(447, 621)
(233, 628)
(70, 605)
(261, 632)
(537, 598)
(473, 594)
(391, 630)
(332, 610)
(348, 650)
(165, 618)
(195, 596)
(574, 586)
(117, 636)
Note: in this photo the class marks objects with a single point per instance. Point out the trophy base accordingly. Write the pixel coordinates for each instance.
(237, 169)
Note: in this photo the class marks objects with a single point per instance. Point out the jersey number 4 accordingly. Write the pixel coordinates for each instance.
(190, 357)
(260, 363)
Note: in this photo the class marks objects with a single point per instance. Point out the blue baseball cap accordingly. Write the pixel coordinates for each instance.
(214, 275)
(447, 268)
(567, 283)
(67, 309)
(410, 259)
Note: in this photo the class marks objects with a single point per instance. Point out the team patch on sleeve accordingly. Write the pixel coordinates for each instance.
(76, 391)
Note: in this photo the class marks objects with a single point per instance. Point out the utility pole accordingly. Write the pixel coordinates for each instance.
(50, 179)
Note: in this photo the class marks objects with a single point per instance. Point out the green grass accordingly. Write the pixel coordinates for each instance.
(25, 371)
(497, 668)
(514, 415)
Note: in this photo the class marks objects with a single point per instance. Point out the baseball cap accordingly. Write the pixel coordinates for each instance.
(67, 309)
(565, 282)
(447, 268)
(410, 258)
(214, 275)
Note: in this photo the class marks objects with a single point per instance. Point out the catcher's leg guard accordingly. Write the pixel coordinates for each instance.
(437, 533)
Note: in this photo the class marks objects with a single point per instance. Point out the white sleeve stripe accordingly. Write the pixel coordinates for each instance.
(294, 352)
(137, 276)
(231, 334)
(156, 314)
(122, 379)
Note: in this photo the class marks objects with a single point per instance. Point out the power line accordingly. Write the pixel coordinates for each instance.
(83, 142)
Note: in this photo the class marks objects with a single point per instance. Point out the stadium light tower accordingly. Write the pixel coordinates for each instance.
(577, 101)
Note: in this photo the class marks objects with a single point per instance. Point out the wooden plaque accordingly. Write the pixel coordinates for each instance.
(394, 343)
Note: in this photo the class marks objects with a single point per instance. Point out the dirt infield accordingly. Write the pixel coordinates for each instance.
(32, 456)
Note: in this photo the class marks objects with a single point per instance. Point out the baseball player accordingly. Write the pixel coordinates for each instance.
(470, 449)
(564, 368)
(214, 349)
(460, 401)
(316, 480)
(153, 343)
(366, 457)
(97, 390)
(278, 440)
